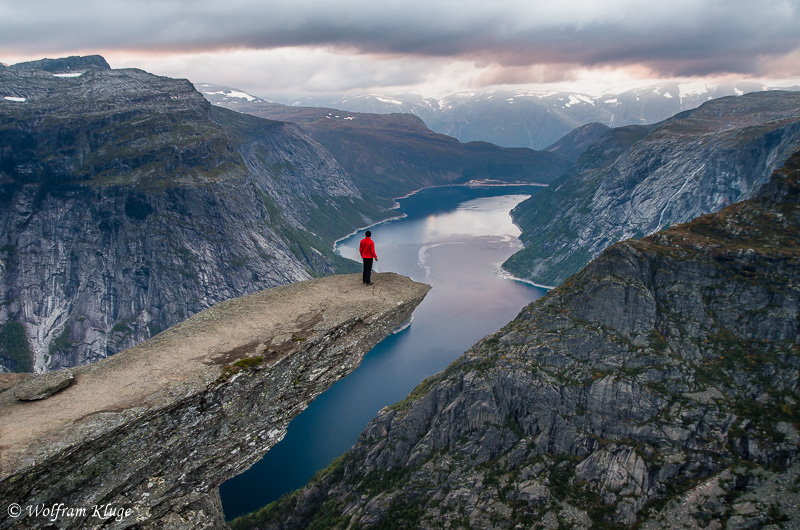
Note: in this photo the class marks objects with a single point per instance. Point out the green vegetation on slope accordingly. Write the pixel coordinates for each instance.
(14, 344)
(306, 246)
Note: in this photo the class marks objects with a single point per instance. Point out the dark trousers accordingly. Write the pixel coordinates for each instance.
(367, 269)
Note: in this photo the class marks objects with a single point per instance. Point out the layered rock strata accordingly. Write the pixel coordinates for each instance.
(149, 434)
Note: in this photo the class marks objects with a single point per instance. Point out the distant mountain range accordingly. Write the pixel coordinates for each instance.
(626, 182)
(388, 154)
(531, 119)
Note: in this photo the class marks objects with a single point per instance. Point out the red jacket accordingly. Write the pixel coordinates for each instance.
(367, 248)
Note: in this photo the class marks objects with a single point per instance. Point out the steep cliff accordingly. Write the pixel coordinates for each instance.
(144, 438)
(637, 180)
(128, 203)
(658, 387)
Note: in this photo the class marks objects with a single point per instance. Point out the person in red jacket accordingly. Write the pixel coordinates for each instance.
(367, 250)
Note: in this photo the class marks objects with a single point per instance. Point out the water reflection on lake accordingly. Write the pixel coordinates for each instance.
(452, 238)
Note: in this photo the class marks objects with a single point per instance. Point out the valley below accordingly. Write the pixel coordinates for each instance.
(452, 238)
(656, 388)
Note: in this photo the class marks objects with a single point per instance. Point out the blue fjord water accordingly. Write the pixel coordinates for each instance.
(453, 238)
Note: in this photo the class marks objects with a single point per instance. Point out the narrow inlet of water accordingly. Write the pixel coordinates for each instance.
(453, 238)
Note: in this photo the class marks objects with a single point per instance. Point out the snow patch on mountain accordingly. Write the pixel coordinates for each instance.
(574, 99)
(389, 100)
(233, 94)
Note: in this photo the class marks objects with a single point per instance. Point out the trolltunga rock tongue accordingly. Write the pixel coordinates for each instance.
(155, 429)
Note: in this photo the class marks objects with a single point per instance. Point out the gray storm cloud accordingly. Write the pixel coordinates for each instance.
(672, 37)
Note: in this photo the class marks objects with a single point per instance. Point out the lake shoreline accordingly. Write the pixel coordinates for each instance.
(470, 184)
(508, 276)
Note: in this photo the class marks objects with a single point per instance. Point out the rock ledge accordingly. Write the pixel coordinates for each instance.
(154, 430)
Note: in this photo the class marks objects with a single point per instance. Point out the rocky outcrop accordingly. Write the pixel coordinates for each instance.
(658, 387)
(143, 439)
(74, 63)
(640, 179)
(128, 203)
(43, 386)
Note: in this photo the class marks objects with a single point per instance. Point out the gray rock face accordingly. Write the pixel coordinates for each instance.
(128, 203)
(149, 434)
(640, 179)
(44, 385)
(658, 387)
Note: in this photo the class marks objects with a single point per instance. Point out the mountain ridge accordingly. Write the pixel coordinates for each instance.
(578, 140)
(389, 155)
(536, 119)
(64, 64)
(638, 179)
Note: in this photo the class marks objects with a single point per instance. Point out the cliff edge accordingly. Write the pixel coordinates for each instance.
(145, 437)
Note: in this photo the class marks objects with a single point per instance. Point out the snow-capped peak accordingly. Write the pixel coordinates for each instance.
(233, 94)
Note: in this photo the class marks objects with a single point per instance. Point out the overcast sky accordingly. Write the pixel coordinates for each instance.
(282, 48)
